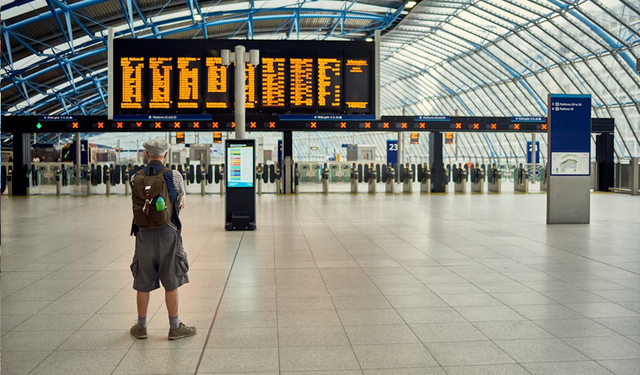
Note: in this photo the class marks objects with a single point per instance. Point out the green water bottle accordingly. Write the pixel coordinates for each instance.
(159, 204)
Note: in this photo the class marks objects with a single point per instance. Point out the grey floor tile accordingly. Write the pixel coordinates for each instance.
(603, 310)
(369, 317)
(488, 313)
(466, 300)
(245, 319)
(45, 322)
(416, 301)
(540, 350)
(622, 366)
(243, 337)
(393, 356)
(511, 369)
(312, 336)
(467, 353)
(33, 340)
(447, 332)
(10, 322)
(308, 318)
(610, 347)
(454, 288)
(100, 340)
(101, 322)
(430, 315)
(305, 303)
(624, 326)
(318, 358)
(404, 290)
(234, 360)
(512, 330)
(529, 298)
(80, 362)
(345, 372)
(575, 297)
(246, 304)
(540, 312)
(566, 368)
(22, 363)
(361, 303)
(574, 328)
(406, 371)
(381, 334)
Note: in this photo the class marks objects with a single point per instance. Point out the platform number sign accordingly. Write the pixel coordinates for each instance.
(392, 151)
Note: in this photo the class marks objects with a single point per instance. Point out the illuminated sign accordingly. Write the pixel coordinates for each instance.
(329, 83)
(357, 85)
(448, 138)
(217, 137)
(250, 86)
(415, 138)
(132, 82)
(301, 82)
(160, 68)
(273, 82)
(217, 94)
(180, 137)
(188, 82)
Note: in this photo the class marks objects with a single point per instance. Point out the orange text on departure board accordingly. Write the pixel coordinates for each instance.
(160, 81)
(329, 82)
(216, 80)
(188, 82)
(355, 66)
(250, 86)
(131, 82)
(273, 82)
(301, 80)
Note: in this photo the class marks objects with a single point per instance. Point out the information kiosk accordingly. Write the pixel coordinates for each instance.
(240, 179)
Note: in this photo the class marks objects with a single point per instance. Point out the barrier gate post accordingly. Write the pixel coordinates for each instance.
(373, 177)
(354, 179)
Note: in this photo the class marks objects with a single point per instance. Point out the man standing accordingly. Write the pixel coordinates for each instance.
(159, 254)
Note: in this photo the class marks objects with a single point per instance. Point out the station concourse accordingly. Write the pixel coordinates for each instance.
(386, 187)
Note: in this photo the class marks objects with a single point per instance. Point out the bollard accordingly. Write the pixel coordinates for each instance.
(391, 179)
(9, 181)
(354, 179)
(107, 182)
(203, 180)
(373, 177)
(425, 180)
(127, 183)
(296, 182)
(259, 178)
(407, 184)
(325, 179)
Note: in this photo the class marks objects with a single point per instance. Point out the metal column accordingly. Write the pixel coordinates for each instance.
(604, 162)
(21, 163)
(437, 162)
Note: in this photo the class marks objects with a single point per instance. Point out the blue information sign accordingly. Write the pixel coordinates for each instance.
(392, 151)
(569, 134)
(537, 152)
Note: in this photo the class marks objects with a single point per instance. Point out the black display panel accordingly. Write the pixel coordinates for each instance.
(298, 77)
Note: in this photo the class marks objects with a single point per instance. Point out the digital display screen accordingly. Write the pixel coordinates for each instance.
(217, 94)
(240, 165)
(131, 69)
(301, 82)
(273, 82)
(161, 82)
(187, 76)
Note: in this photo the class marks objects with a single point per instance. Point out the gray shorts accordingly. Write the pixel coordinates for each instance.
(159, 257)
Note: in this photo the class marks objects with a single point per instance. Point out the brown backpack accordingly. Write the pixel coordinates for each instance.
(145, 191)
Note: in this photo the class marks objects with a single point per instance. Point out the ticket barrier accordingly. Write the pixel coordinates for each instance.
(4, 179)
(390, 180)
(88, 174)
(9, 181)
(521, 180)
(543, 179)
(477, 179)
(107, 179)
(354, 179)
(460, 179)
(276, 171)
(494, 180)
(448, 172)
(372, 178)
(325, 179)
(259, 173)
(424, 175)
(407, 179)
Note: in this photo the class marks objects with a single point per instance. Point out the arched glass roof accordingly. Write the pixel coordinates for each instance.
(470, 57)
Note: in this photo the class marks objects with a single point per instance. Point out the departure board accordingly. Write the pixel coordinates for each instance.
(161, 79)
(301, 82)
(217, 95)
(250, 86)
(132, 82)
(172, 76)
(273, 82)
(357, 84)
(188, 82)
(329, 83)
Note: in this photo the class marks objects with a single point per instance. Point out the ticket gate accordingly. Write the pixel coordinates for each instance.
(354, 179)
(407, 180)
(494, 180)
(521, 180)
(477, 179)
(448, 176)
(543, 179)
(390, 180)
(372, 177)
(325, 179)
(460, 179)
(259, 173)
(424, 176)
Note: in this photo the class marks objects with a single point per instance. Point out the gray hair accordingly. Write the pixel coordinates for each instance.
(156, 147)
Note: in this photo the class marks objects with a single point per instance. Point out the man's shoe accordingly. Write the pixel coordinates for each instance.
(182, 332)
(137, 332)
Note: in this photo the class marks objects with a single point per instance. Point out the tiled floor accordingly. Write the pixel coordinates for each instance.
(330, 285)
